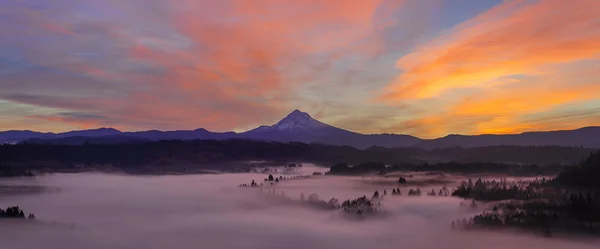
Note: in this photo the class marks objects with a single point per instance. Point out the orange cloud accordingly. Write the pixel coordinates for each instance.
(514, 38)
(516, 59)
(522, 99)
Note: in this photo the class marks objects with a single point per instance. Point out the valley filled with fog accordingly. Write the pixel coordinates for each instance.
(93, 210)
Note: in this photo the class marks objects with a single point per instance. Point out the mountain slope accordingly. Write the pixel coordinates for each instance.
(299, 126)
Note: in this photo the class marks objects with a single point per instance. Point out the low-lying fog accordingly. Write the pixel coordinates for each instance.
(209, 211)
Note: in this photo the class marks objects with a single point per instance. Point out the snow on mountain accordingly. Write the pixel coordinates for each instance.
(298, 121)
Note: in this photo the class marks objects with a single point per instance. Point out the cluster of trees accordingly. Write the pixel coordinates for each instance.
(314, 200)
(439, 193)
(15, 212)
(497, 190)
(568, 203)
(402, 180)
(413, 192)
(361, 206)
(490, 167)
(466, 168)
(510, 154)
(586, 175)
(577, 213)
(416, 192)
(271, 180)
(584, 206)
(472, 206)
(531, 220)
(252, 184)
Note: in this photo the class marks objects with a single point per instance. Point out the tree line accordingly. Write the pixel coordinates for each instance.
(198, 152)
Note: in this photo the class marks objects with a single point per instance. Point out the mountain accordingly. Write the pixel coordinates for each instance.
(80, 140)
(296, 121)
(17, 136)
(100, 132)
(299, 126)
(181, 135)
(588, 137)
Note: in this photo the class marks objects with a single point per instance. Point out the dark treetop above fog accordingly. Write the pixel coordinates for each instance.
(299, 126)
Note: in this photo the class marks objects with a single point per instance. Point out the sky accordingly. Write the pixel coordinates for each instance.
(421, 67)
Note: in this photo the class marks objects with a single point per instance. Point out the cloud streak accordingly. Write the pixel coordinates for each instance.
(514, 38)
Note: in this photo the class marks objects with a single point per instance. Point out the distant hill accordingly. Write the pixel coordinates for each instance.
(299, 126)
(101, 132)
(81, 140)
(18, 136)
(156, 135)
(588, 137)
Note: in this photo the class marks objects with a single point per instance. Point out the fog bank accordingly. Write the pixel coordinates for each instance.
(209, 211)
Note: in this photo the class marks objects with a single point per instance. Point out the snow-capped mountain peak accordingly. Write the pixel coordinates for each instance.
(298, 120)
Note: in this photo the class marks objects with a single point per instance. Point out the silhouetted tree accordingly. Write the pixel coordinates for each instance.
(402, 180)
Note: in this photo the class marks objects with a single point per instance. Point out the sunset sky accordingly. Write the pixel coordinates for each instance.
(422, 67)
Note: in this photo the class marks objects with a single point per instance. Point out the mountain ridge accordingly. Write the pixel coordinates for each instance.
(299, 126)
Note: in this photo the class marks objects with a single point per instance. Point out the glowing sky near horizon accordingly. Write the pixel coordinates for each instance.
(422, 67)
